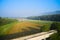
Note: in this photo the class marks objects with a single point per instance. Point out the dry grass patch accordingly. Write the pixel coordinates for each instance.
(18, 27)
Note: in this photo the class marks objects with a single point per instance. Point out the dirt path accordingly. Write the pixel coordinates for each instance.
(37, 36)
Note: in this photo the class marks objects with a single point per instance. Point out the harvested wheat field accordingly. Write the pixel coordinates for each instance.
(22, 26)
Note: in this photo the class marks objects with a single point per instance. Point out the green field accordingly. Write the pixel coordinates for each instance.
(15, 27)
(23, 28)
(6, 28)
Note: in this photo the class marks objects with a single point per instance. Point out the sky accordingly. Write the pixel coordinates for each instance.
(25, 8)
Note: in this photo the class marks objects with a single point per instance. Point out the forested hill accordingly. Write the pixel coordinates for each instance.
(52, 17)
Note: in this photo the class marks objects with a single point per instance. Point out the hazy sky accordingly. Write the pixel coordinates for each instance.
(23, 8)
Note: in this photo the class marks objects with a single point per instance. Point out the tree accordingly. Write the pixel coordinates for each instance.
(45, 28)
(55, 26)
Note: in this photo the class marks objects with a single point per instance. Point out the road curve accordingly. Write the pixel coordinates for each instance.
(38, 36)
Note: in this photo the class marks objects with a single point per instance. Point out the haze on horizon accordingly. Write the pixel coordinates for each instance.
(24, 8)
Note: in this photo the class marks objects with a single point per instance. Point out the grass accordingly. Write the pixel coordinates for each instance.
(42, 22)
(18, 26)
(24, 27)
(5, 28)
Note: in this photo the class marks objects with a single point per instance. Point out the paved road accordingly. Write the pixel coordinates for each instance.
(38, 36)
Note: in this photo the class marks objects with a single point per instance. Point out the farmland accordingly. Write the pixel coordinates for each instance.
(23, 27)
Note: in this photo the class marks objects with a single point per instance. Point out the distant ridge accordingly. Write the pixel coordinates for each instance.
(51, 17)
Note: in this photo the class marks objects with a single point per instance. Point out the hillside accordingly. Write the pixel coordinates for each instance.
(52, 17)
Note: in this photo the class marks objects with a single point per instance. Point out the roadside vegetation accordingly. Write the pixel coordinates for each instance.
(55, 26)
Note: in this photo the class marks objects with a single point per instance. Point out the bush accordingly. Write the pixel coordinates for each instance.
(45, 28)
(55, 26)
(55, 36)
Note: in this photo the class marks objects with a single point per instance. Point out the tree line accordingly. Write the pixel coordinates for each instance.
(4, 21)
(53, 17)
